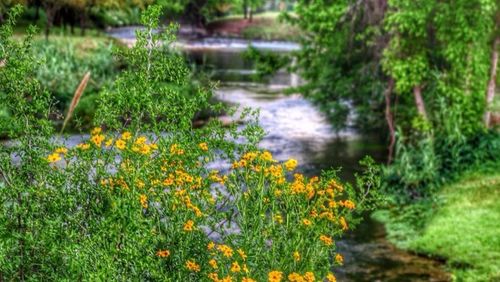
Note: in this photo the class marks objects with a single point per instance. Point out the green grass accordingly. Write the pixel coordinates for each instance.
(464, 228)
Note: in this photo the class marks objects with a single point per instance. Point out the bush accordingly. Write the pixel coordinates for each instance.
(137, 199)
(65, 62)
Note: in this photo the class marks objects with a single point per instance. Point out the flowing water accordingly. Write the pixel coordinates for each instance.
(296, 129)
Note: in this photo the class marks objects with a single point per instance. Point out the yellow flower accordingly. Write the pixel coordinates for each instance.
(120, 144)
(226, 279)
(213, 276)
(278, 218)
(331, 278)
(306, 222)
(61, 150)
(296, 256)
(97, 139)
(176, 150)
(144, 149)
(242, 254)
(213, 263)
(126, 135)
(109, 142)
(309, 277)
(144, 201)
(275, 276)
(327, 240)
(295, 277)
(291, 164)
(188, 226)
(83, 146)
(247, 279)
(163, 253)
(235, 267)
(203, 146)
(169, 181)
(210, 246)
(343, 223)
(266, 156)
(348, 204)
(226, 250)
(339, 258)
(96, 131)
(193, 266)
(141, 140)
(52, 158)
(140, 184)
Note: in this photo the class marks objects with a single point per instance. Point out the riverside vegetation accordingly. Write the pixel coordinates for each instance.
(426, 72)
(137, 199)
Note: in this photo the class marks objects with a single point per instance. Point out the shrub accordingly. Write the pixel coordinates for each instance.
(139, 198)
(66, 60)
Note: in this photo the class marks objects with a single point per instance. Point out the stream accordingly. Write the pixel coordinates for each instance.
(297, 129)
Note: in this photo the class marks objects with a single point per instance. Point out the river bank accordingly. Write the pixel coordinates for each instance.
(461, 229)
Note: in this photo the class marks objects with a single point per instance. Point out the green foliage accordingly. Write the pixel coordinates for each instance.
(339, 61)
(265, 63)
(66, 60)
(138, 200)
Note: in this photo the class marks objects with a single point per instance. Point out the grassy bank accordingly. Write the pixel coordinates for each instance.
(265, 26)
(64, 60)
(463, 229)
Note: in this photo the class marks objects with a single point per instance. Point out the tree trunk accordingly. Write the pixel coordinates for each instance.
(48, 24)
(245, 9)
(49, 13)
(82, 26)
(251, 15)
(490, 92)
(390, 121)
(419, 101)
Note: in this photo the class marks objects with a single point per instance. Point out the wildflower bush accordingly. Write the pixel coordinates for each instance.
(146, 196)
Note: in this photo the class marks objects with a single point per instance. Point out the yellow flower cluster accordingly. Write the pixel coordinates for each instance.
(327, 240)
(163, 253)
(275, 276)
(56, 155)
(296, 256)
(143, 199)
(348, 204)
(339, 259)
(225, 250)
(189, 226)
(215, 177)
(291, 164)
(175, 149)
(296, 277)
(191, 265)
(203, 146)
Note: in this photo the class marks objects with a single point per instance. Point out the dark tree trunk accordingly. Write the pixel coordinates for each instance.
(50, 11)
(245, 9)
(390, 121)
(82, 25)
(251, 15)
